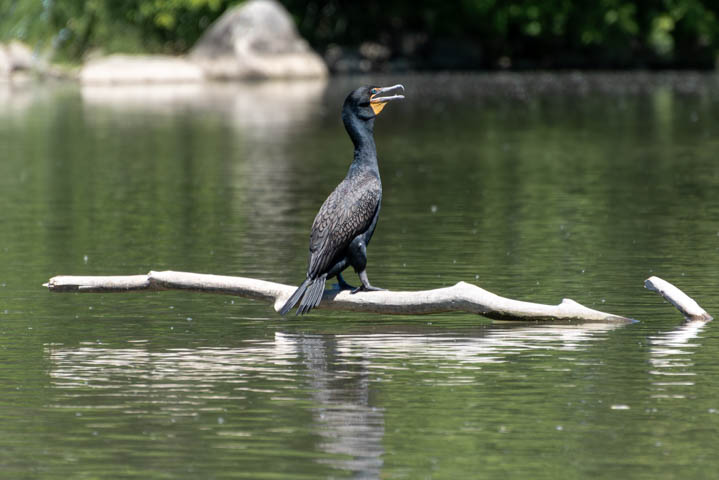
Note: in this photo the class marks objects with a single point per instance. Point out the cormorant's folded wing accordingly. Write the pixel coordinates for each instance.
(346, 213)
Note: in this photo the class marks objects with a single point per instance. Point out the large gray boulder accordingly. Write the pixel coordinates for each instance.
(257, 39)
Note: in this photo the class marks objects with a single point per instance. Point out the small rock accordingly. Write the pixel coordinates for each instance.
(15, 58)
(21, 56)
(5, 64)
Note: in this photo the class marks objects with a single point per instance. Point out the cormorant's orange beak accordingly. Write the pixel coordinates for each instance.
(377, 102)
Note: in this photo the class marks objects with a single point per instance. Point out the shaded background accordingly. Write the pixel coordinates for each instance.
(396, 35)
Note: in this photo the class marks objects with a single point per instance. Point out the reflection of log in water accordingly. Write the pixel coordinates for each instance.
(335, 372)
(493, 344)
(671, 359)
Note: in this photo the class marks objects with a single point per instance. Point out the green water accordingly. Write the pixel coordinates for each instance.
(536, 187)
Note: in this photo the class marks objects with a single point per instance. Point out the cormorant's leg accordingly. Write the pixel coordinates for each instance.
(343, 284)
(366, 285)
(336, 271)
(358, 259)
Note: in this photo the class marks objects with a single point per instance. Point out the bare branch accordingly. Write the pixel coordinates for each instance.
(460, 297)
(685, 304)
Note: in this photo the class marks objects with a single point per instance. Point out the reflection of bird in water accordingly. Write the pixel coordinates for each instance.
(346, 221)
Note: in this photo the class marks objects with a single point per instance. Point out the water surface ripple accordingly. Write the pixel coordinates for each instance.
(533, 186)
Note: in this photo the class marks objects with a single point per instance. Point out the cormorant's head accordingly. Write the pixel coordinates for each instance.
(367, 102)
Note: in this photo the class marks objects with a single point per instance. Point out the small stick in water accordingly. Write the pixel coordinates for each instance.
(685, 304)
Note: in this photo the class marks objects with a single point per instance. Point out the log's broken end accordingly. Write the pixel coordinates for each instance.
(683, 302)
(279, 303)
(97, 284)
(591, 314)
(56, 284)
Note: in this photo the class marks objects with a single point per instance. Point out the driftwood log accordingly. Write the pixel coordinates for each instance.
(462, 297)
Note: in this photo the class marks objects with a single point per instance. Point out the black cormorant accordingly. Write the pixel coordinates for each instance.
(346, 221)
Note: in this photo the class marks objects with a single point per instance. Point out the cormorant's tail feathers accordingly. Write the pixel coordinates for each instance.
(295, 297)
(310, 291)
(313, 295)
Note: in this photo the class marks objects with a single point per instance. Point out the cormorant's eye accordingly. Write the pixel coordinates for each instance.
(373, 91)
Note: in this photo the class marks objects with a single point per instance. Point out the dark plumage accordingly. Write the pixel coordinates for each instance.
(346, 221)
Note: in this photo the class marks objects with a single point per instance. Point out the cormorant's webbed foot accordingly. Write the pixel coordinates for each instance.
(366, 287)
(342, 284)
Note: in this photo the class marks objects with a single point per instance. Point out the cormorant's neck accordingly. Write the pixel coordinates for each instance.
(362, 134)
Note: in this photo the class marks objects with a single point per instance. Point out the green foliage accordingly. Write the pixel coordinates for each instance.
(73, 27)
(481, 33)
(584, 33)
